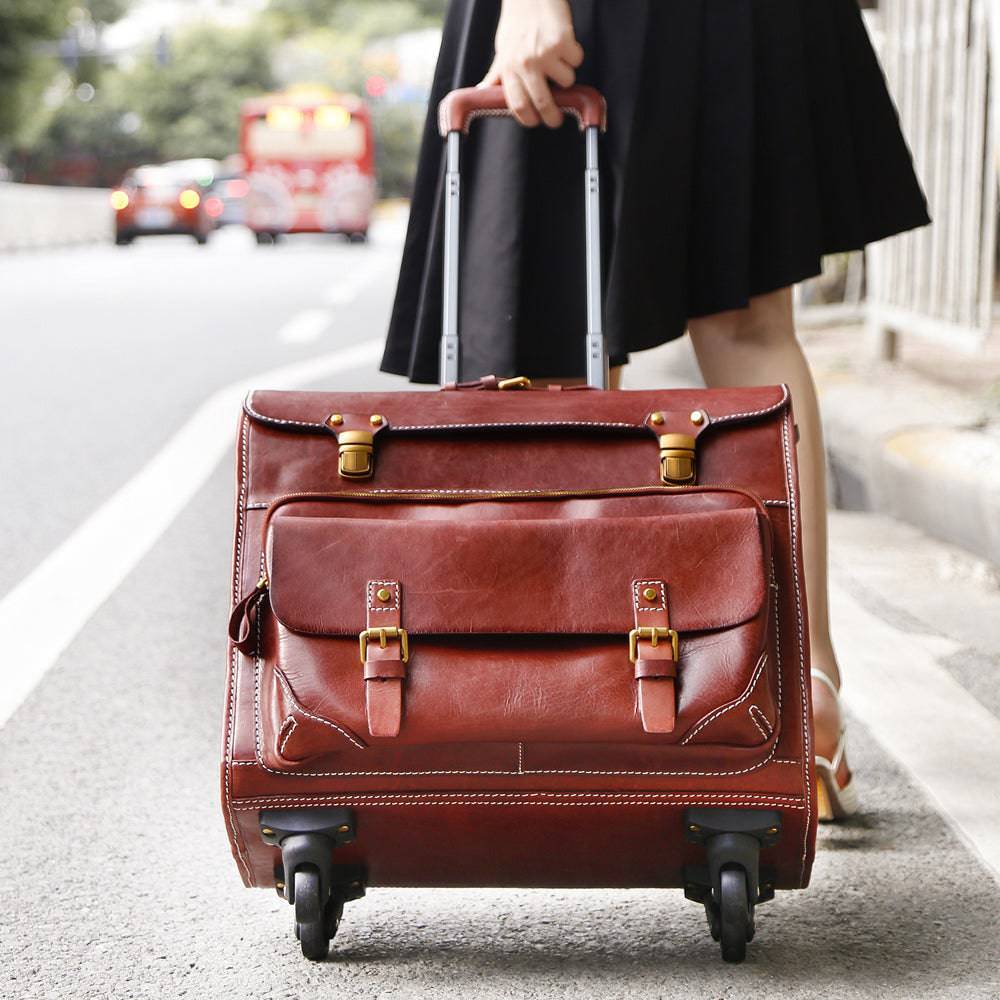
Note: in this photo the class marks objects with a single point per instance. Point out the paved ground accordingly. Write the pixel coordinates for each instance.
(117, 881)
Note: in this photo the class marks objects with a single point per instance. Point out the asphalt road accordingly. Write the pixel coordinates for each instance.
(116, 878)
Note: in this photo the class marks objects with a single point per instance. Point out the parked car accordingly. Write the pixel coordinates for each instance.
(225, 200)
(166, 198)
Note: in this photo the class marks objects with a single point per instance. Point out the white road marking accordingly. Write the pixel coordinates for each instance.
(947, 740)
(305, 326)
(348, 287)
(42, 614)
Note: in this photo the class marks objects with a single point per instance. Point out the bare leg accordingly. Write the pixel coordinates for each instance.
(758, 346)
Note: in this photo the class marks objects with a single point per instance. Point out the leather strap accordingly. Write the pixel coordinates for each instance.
(655, 666)
(385, 670)
(243, 618)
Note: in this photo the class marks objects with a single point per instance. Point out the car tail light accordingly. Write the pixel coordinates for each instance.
(189, 198)
(119, 200)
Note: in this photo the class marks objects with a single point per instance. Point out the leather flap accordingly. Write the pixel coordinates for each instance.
(471, 412)
(518, 575)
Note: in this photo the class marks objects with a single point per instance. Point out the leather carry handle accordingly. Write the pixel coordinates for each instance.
(460, 107)
(455, 112)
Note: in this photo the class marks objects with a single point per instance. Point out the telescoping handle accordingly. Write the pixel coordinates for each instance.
(455, 113)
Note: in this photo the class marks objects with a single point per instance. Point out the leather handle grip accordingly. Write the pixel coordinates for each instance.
(460, 107)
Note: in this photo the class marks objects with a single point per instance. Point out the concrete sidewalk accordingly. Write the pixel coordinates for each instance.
(917, 438)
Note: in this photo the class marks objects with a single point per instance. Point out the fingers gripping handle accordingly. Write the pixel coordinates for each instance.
(460, 107)
(455, 112)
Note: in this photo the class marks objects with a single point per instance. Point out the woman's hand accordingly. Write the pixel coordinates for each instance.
(535, 43)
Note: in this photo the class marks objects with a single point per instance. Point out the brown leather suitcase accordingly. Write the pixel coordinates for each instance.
(497, 636)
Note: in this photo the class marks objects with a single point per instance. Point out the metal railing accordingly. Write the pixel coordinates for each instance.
(938, 282)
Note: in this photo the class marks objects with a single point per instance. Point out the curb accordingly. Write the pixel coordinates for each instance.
(938, 469)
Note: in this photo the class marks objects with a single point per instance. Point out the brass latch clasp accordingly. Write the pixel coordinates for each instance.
(518, 382)
(356, 448)
(677, 459)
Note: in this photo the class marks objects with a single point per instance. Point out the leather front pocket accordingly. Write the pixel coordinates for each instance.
(518, 613)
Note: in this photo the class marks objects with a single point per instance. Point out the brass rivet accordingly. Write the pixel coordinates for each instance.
(280, 886)
(697, 417)
(343, 828)
(266, 831)
(656, 418)
(772, 830)
(383, 594)
(376, 419)
(650, 593)
(694, 828)
(336, 419)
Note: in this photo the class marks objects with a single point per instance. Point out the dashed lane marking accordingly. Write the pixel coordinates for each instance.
(305, 326)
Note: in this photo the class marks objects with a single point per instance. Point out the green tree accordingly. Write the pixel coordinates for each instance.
(190, 106)
(23, 25)
(30, 31)
(360, 18)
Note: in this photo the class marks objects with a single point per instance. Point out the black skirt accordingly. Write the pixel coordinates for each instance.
(746, 138)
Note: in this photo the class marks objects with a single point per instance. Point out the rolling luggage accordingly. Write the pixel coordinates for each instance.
(505, 636)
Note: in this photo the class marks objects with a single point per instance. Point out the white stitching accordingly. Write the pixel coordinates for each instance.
(284, 421)
(536, 771)
(372, 584)
(712, 774)
(264, 504)
(729, 706)
(762, 723)
(248, 407)
(520, 423)
(540, 771)
(309, 715)
(753, 719)
(694, 801)
(660, 586)
(233, 660)
(807, 741)
(756, 413)
(572, 796)
(288, 735)
(521, 768)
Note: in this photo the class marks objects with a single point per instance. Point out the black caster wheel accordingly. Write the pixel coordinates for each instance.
(308, 906)
(735, 914)
(313, 940)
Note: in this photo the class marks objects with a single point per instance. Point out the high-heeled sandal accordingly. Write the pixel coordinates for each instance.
(837, 796)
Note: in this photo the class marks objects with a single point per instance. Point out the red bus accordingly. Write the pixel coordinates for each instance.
(310, 163)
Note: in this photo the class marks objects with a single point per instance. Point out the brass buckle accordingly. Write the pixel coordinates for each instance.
(382, 633)
(654, 633)
(518, 382)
